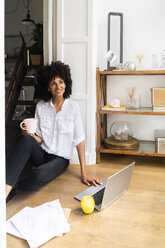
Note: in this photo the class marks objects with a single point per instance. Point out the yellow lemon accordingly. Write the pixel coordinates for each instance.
(87, 204)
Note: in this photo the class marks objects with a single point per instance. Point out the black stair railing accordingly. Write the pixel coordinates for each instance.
(14, 88)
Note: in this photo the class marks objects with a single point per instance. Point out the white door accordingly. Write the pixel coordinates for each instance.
(74, 47)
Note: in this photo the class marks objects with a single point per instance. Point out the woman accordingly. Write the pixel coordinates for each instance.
(59, 129)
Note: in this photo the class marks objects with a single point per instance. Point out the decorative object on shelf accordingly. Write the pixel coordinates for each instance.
(158, 99)
(115, 106)
(129, 66)
(119, 67)
(109, 107)
(139, 59)
(111, 56)
(132, 99)
(131, 144)
(121, 136)
(115, 103)
(158, 60)
(158, 108)
(162, 59)
(121, 131)
(159, 136)
(158, 95)
(155, 61)
(111, 14)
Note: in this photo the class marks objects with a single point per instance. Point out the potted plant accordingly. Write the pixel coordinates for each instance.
(36, 50)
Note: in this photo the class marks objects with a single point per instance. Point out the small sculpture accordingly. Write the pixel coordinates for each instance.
(115, 103)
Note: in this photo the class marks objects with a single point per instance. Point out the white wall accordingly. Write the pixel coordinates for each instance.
(143, 23)
(143, 28)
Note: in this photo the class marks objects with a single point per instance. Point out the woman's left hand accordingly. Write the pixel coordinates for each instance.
(88, 180)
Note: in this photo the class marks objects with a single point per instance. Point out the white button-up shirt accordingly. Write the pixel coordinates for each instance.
(59, 131)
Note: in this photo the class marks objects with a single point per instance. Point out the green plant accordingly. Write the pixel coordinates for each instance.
(37, 37)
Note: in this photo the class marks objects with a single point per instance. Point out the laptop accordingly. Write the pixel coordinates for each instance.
(110, 189)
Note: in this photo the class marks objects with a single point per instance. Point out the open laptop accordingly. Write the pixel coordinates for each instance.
(110, 189)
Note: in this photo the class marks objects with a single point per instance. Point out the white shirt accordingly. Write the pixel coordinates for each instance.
(59, 131)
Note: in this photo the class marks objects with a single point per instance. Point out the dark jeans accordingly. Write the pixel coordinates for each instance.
(45, 166)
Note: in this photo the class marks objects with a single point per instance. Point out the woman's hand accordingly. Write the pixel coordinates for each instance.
(85, 178)
(25, 132)
(88, 180)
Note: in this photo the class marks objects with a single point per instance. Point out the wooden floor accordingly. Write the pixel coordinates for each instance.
(134, 220)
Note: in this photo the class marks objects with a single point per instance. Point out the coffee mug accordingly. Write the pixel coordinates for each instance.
(31, 125)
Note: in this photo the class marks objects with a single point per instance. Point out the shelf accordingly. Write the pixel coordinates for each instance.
(147, 72)
(146, 148)
(140, 111)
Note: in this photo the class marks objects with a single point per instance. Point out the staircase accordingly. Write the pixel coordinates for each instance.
(17, 82)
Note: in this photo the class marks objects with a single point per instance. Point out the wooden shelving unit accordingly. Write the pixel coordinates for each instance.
(146, 148)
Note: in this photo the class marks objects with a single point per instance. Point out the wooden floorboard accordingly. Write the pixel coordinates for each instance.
(134, 220)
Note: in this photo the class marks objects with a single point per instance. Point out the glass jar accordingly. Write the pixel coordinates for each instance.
(162, 59)
(158, 60)
(121, 131)
(129, 66)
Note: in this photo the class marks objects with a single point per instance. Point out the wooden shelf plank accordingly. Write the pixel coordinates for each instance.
(146, 72)
(140, 111)
(146, 148)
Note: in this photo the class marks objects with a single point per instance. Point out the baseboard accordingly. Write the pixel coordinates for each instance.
(90, 158)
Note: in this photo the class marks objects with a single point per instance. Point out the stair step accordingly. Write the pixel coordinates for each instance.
(28, 82)
(25, 103)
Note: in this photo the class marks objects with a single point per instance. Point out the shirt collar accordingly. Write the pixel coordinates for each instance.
(63, 105)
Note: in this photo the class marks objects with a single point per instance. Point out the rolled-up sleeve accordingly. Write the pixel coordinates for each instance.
(78, 132)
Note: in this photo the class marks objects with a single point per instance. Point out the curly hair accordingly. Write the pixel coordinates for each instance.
(48, 72)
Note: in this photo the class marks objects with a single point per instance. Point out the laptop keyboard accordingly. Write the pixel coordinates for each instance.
(98, 196)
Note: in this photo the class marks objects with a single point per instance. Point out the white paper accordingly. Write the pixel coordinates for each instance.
(12, 229)
(40, 224)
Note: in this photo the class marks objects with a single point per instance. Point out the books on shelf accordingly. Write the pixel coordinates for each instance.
(159, 108)
(109, 107)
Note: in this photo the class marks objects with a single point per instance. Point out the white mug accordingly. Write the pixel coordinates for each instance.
(31, 124)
